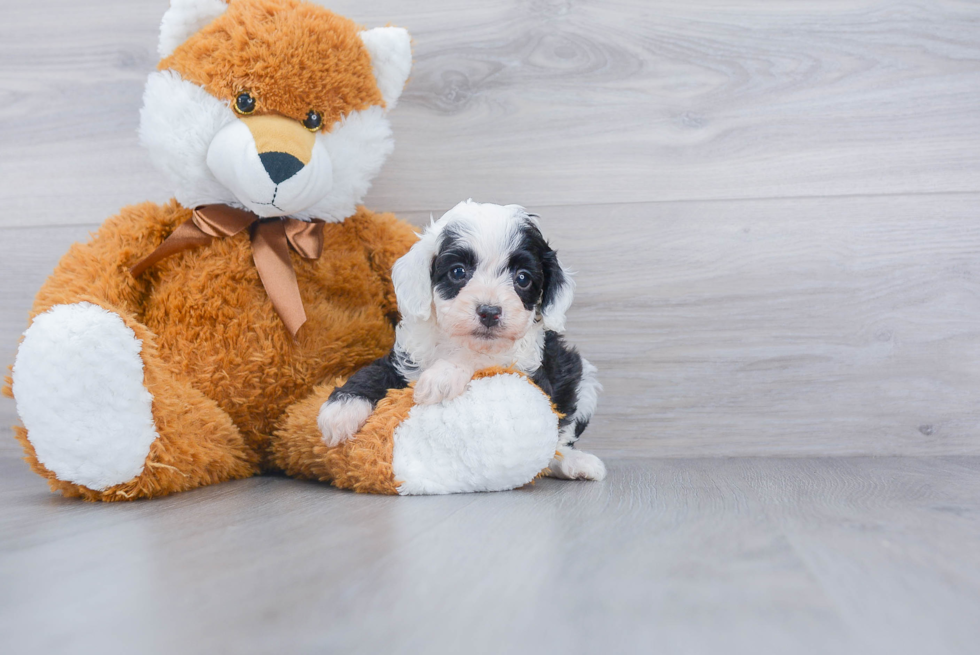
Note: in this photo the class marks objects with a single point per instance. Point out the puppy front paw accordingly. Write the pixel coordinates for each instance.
(576, 465)
(339, 420)
(443, 381)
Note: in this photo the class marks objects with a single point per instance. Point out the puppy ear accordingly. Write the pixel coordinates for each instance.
(412, 278)
(559, 289)
(184, 19)
(391, 59)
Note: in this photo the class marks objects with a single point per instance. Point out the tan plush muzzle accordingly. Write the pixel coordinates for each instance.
(283, 144)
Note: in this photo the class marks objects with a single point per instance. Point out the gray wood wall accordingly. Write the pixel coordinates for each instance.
(771, 204)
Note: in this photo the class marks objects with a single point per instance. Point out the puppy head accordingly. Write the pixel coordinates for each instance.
(485, 274)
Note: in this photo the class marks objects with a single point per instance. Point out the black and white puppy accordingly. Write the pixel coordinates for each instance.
(481, 288)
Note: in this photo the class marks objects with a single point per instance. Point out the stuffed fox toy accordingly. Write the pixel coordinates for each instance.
(194, 342)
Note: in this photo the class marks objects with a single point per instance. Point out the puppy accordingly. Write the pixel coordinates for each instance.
(480, 288)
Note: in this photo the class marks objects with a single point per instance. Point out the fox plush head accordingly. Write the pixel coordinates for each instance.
(274, 106)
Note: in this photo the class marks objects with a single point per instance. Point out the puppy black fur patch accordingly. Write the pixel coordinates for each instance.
(559, 375)
(452, 252)
(534, 255)
(372, 382)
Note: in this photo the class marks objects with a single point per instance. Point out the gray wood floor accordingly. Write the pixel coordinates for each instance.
(772, 208)
(743, 555)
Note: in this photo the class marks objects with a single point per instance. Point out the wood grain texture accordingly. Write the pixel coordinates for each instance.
(549, 102)
(676, 556)
(722, 328)
(783, 327)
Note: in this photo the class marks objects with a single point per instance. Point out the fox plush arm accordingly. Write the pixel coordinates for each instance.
(98, 271)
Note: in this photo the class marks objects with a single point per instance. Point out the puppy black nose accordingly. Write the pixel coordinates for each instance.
(489, 314)
(280, 165)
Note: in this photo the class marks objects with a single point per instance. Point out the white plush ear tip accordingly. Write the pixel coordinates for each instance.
(184, 19)
(391, 60)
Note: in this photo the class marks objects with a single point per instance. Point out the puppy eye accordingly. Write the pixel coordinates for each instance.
(457, 272)
(522, 279)
(313, 121)
(244, 103)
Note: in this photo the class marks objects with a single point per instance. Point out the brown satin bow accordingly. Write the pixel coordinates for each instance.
(271, 239)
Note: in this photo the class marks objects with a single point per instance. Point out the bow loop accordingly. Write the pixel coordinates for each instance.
(271, 241)
(306, 238)
(220, 221)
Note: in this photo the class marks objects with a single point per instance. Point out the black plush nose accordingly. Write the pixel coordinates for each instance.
(489, 314)
(280, 165)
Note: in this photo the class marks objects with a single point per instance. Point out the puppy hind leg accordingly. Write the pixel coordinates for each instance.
(572, 464)
(104, 417)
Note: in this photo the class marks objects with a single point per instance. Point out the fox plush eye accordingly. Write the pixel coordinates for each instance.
(244, 103)
(457, 273)
(522, 279)
(313, 121)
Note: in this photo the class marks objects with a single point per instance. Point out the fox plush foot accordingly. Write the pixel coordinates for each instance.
(79, 384)
(499, 434)
(103, 418)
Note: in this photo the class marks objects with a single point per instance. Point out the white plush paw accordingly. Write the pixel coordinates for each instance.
(78, 382)
(339, 420)
(442, 381)
(577, 465)
(497, 435)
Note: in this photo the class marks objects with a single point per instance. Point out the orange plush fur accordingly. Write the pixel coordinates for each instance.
(246, 48)
(218, 361)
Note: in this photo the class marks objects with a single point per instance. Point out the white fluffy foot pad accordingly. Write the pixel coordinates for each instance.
(499, 434)
(576, 465)
(78, 382)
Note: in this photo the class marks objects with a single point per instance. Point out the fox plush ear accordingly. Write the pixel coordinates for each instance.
(185, 18)
(412, 277)
(391, 58)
